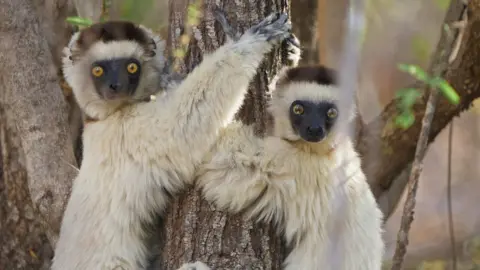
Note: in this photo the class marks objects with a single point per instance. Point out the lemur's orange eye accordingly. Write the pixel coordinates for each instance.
(97, 71)
(297, 109)
(132, 68)
(332, 113)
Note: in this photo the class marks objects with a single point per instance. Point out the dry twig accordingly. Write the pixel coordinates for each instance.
(440, 65)
(417, 167)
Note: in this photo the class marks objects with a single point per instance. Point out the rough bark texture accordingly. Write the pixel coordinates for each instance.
(32, 96)
(195, 231)
(23, 243)
(304, 22)
(53, 15)
(397, 146)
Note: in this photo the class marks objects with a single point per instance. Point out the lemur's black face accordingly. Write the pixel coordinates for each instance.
(312, 121)
(116, 78)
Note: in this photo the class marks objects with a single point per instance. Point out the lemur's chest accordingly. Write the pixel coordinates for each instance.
(119, 154)
(311, 189)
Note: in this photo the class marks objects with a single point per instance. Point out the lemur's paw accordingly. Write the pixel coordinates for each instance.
(275, 28)
(194, 266)
(293, 50)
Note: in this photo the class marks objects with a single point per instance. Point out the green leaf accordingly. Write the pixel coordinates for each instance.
(79, 21)
(405, 119)
(448, 92)
(407, 97)
(415, 71)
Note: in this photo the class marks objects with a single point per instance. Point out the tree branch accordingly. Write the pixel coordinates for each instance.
(417, 167)
(397, 146)
(33, 97)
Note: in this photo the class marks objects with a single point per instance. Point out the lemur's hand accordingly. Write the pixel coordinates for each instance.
(274, 28)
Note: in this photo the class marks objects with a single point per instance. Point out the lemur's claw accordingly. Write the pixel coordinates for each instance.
(275, 28)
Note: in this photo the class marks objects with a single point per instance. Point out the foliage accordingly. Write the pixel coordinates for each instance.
(407, 97)
(79, 21)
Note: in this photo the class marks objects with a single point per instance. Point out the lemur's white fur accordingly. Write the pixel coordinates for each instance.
(282, 179)
(77, 74)
(134, 152)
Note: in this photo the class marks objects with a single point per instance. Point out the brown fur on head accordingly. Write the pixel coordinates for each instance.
(320, 75)
(315, 89)
(114, 31)
(115, 44)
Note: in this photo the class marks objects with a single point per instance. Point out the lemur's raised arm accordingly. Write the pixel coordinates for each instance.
(137, 154)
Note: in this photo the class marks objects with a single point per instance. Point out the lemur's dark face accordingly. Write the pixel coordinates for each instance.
(313, 121)
(116, 78)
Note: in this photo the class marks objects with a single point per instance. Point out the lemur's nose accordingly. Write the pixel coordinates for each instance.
(115, 86)
(315, 130)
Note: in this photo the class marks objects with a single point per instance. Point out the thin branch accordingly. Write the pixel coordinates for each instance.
(449, 198)
(417, 167)
(397, 147)
(441, 65)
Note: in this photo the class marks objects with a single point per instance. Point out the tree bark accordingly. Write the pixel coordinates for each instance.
(194, 229)
(32, 96)
(53, 15)
(23, 243)
(304, 23)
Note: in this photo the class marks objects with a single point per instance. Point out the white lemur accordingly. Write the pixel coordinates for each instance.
(139, 153)
(288, 177)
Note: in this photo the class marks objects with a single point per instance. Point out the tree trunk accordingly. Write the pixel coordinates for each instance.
(194, 229)
(304, 23)
(32, 97)
(23, 243)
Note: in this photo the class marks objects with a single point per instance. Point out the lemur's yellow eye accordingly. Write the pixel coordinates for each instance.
(97, 71)
(132, 68)
(297, 109)
(332, 113)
